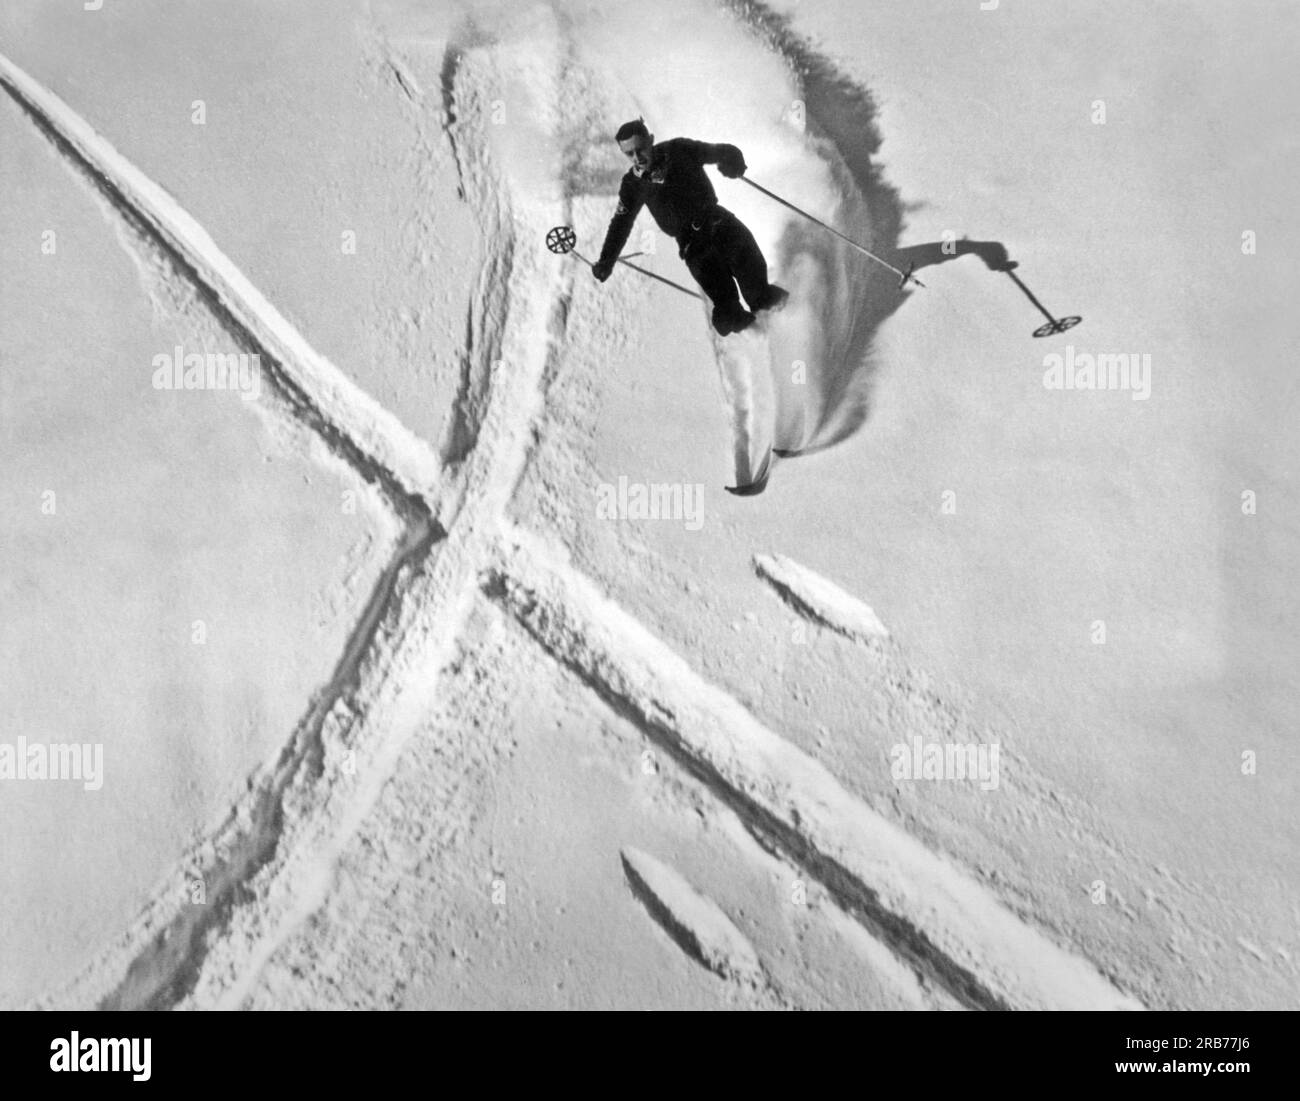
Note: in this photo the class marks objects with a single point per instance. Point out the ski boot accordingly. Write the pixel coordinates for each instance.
(731, 319)
(773, 298)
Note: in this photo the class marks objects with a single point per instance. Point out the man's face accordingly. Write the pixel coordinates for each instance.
(637, 149)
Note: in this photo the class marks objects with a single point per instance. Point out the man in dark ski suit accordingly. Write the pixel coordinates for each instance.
(720, 252)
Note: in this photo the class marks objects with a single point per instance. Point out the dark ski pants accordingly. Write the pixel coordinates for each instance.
(721, 254)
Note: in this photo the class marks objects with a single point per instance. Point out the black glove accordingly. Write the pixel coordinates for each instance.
(732, 162)
(601, 269)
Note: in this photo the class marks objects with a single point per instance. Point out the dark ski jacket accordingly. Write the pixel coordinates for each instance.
(675, 188)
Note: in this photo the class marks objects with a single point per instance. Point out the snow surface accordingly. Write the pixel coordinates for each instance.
(509, 692)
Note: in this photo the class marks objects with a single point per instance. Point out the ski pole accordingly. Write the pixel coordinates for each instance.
(652, 275)
(562, 239)
(904, 277)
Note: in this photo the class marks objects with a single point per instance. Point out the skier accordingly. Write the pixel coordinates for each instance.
(718, 249)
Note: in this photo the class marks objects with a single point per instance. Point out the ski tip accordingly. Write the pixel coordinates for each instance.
(781, 453)
(754, 488)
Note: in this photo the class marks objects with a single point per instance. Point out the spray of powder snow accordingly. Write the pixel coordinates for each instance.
(800, 381)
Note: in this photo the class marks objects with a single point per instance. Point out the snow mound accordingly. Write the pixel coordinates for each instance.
(696, 923)
(818, 599)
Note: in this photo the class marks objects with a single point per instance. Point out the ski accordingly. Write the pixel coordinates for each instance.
(754, 488)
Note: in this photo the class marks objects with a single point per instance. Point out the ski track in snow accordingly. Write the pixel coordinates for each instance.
(929, 911)
(370, 438)
(269, 866)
